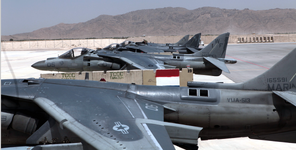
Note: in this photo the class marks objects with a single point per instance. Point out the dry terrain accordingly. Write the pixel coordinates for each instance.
(172, 21)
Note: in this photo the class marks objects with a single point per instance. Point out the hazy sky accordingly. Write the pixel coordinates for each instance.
(20, 16)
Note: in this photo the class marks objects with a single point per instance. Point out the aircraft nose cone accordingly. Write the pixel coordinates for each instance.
(39, 65)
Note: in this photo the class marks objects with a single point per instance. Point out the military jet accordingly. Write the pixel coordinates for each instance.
(83, 59)
(188, 47)
(83, 114)
(76, 59)
(132, 47)
(181, 42)
(208, 61)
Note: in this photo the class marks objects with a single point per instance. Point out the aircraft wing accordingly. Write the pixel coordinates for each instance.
(139, 61)
(121, 125)
(193, 50)
(220, 64)
(101, 117)
(289, 96)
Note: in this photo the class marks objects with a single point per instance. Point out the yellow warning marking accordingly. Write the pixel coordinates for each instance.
(213, 48)
(292, 77)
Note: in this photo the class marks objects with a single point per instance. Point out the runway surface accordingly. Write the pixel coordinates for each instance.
(253, 59)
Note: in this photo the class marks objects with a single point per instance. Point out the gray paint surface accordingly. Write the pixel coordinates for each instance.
(237, 143)
(254, 59)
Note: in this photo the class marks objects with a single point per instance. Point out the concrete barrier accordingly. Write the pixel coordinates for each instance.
(58, 44)
(140, 77)
(252, 38)
(260, 39)
(100, 43)
(121, 76)
(264, 39)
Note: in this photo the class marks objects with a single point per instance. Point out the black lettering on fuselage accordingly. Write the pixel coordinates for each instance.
(217, 41)
(280, 86)
(238, 100)
(276, 80)
(51, 64)
(285, 86)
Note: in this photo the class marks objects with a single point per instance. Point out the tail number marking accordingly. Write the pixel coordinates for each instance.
(278, 79)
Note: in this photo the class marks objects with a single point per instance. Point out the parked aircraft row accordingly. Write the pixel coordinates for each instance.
(182, 47)
(55, 113)
(208, 61)
(88, 115)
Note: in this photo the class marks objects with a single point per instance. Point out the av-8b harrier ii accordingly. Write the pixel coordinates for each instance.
(83, 114)
(208, 61)
(181, 42)
(188, 47)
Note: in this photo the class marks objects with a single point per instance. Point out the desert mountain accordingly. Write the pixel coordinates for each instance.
(172, 21)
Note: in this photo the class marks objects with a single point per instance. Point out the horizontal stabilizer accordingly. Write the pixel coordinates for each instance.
(289, 96)
(230, 61)
(220, 64)
(193, 50)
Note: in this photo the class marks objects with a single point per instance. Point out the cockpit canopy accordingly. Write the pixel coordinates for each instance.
(125, 43)
(75, 52)
(112, 46)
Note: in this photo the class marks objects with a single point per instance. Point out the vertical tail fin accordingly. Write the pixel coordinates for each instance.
(183, 40)
(216, 49)
(280, 77)
(194, 41)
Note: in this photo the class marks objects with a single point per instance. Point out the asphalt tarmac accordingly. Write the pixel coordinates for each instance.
(253, 59)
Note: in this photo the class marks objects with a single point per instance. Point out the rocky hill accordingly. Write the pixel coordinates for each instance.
(172, 21)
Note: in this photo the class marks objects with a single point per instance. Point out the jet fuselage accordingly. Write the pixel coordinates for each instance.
(222, 113)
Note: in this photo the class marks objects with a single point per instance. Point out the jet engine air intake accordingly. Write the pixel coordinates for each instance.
(109, 65)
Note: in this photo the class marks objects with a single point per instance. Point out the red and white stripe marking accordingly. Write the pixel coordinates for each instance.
(167, 77)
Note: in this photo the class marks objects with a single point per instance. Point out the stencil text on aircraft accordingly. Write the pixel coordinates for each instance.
(238, 100)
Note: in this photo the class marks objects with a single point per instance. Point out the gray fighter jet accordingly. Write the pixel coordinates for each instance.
(76, 59)
(208, 61)
(83, 114)
(188, 47)
(181, 42)
(132, 47)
